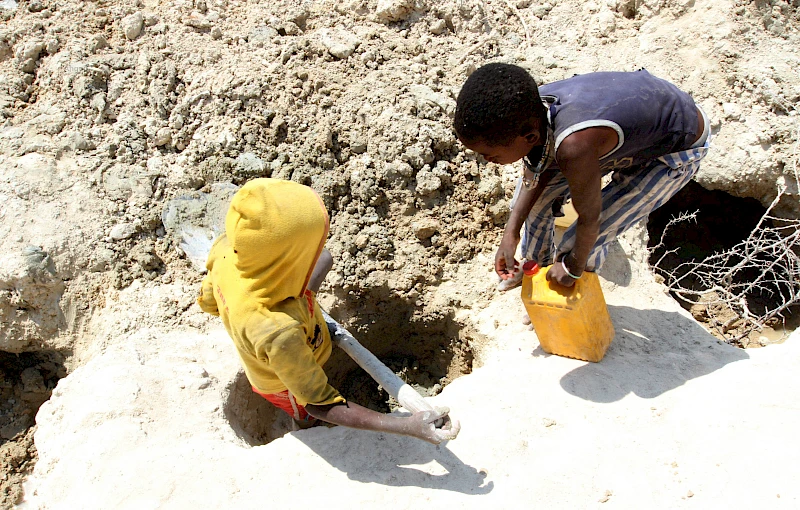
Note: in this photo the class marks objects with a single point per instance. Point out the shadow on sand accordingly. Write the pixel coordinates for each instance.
(392, 459)
(654, 351)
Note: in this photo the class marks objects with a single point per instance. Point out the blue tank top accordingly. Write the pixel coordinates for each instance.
(651, 116)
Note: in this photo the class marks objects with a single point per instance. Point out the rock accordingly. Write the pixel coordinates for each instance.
(8, 5)
(425, 94)
(248, 165)
(32, 384)
(425, 228)
(132, 25)
(340, 43)
(197, 21)
(27, 54)
(490, 188)
(49, 123)
(389, 11)
(77, 142)
(216, 33)
(427, 182)
(97, 42)
(102, 258)
(51, 46)
(299, 15)
(162, 137)
(731, 111)
(122, 231)
(262, 35)
(607, 23)
(438, 27)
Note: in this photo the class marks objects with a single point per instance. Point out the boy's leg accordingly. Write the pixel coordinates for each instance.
(631, 196)
(538, 233)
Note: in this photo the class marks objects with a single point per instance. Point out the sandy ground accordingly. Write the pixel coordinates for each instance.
(671, 418)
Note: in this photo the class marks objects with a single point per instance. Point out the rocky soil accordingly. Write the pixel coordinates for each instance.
(125, 125)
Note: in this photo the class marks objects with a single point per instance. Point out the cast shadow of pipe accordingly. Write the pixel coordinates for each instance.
(654, 351)
(391, 458)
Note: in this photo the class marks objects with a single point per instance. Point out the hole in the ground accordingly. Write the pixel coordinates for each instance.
(722, 222)
(425, 346)
(427, 349)
(26, 382)
(253, 419)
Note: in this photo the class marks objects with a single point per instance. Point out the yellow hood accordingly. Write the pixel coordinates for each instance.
(276, 230)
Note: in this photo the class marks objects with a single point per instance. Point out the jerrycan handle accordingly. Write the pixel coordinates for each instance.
(530, 268)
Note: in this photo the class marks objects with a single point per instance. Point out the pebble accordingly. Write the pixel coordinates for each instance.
(132, 25)
(340, 44)
(122, 231)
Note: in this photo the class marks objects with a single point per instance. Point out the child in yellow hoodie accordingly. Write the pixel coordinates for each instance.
(263, 275)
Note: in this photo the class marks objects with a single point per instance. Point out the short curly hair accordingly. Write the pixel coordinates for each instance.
(497, 103)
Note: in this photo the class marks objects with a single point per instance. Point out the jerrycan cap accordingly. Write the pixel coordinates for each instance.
(530, 268)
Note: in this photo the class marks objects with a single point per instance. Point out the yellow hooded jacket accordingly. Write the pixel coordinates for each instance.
(256, 283)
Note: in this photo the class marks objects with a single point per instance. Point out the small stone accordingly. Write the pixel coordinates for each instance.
(162, 137)
(262, 35)
(30, 51)
(425, 228)
(731, 111)
(122, 231)
(427, 182)
(249, 165)
(97, 42)
(132, 25)
(197, 21)
(216, 33)
(607, 23)
(35, 6)
(51, 46)
(388, 11)
(77, 142)
(438, 27)
(340, 43)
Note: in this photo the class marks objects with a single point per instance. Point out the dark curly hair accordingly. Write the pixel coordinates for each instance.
(497, 103)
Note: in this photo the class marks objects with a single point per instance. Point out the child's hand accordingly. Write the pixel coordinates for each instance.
(504, 263)
(423, 426)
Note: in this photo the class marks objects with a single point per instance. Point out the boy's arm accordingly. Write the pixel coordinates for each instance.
(419, 425)
(504, 259)
(294, 363)
(579, 159)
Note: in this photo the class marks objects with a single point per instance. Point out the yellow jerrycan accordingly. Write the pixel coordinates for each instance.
(569, 321)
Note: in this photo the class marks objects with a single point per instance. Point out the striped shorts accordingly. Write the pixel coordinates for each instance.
(629, 197)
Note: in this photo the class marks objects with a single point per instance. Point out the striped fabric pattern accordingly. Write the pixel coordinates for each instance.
(628, 198)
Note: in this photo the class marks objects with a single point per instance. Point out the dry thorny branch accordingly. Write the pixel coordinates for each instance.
(754, 284)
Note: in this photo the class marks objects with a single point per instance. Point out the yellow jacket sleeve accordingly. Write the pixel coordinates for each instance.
(294, 364)
(206, 300)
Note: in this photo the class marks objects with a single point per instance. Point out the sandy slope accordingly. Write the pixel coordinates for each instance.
(669, 419)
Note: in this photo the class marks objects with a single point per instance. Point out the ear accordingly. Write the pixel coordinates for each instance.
(532, 137)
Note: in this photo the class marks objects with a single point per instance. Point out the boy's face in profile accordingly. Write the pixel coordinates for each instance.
(506, 154)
